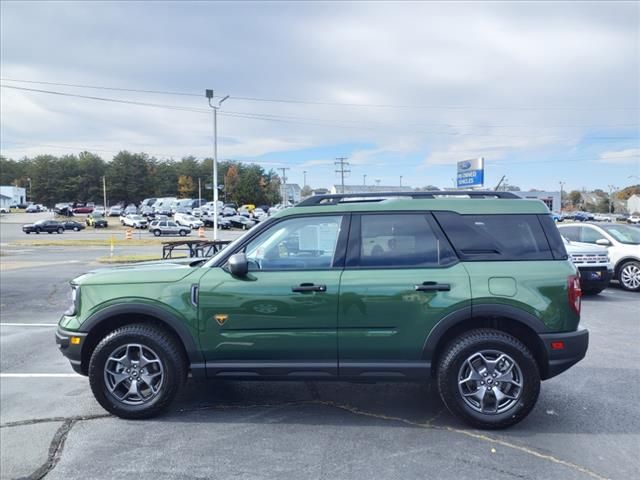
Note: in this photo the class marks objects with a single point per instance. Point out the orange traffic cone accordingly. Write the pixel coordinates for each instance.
(128, 234)
(201, 232)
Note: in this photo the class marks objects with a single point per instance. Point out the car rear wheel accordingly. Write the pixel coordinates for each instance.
(629, 276)
(76, 229)
(157, 233)
(38, 230)
(136, 371)
(60, 230)
(183, 233)
(488, 378)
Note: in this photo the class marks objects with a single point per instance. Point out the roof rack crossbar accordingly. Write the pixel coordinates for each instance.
(333, 199)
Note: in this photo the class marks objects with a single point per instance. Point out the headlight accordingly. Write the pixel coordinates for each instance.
(74, 300)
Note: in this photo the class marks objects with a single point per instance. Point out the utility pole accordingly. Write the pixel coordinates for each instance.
(283, 182)
(342, 164)
(562, 184)
(364, 179)
(214, 181)
(304, 175)
(104, 193)
(400, 180)
(199, 193)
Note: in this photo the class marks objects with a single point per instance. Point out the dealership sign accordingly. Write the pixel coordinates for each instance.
(471, 173)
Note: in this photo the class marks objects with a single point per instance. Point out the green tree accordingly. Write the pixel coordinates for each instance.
(575, 198)
(127, 178)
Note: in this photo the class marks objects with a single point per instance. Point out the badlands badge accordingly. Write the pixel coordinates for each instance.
(221, 318)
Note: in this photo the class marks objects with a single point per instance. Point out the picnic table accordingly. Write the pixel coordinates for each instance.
(195, 248)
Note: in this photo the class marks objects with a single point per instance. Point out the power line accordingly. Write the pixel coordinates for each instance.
(333, 104)
(278, 118)
(342, 165)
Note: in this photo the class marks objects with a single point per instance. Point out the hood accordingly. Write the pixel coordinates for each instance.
(161, 271)
(579, 247)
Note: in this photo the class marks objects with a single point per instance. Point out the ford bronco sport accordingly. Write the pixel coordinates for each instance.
(471, 289)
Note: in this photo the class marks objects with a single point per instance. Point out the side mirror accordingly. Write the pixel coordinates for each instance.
(238, 265)
(604, 242)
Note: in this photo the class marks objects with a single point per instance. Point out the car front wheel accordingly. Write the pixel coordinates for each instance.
(488, 378)
(76, 229)
(157, 233)
(629, 276)
(60, 230)
(136, 371)
(183, 233)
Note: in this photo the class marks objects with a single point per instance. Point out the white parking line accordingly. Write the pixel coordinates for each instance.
(28, 324)
(40, 375)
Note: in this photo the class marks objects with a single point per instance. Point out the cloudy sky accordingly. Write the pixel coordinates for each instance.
(544, 91)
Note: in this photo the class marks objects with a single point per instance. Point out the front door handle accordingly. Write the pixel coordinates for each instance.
(433, 287)
(309, 287)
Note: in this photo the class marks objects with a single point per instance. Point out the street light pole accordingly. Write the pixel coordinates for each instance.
(364, 179)
(612, 189)
(214, 182)
(400, 180)
(562, 184)
(304, 182)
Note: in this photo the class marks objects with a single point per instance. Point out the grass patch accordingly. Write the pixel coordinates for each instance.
(89, 242)
(130, 258)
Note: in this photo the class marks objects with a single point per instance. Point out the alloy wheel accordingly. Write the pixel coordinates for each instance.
(134, 374)
(630, 276)
(490, 382)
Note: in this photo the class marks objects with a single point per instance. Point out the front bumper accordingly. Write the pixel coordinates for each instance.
(574, 348)
(73, 351)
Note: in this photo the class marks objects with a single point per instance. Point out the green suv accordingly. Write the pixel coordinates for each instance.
(471, 289)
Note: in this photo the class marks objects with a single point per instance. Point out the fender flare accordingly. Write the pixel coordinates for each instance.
(180, 327)
(487, 310)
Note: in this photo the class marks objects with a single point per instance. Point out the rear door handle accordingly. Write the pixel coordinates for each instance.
(309, 287)
(433, 287)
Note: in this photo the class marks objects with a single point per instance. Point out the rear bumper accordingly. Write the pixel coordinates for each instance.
(594, 278)
(73, 351)
(574, 348)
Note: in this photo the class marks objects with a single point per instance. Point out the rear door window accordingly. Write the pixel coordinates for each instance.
(400, 240)
(496, 237)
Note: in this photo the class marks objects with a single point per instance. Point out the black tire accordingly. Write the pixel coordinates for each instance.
(628, 276)
(38, 230)
(60, 230)
(76, 229)
(169, 353)
(452, 364)
(183, 233)
(157, 233)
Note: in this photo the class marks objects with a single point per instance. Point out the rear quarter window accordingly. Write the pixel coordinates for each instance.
(496, 237)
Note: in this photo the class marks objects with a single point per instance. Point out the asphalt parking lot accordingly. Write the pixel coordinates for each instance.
(585, 425)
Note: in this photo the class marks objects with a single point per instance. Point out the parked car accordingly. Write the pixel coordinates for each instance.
(100, 211)
(187, 220)
(600, 217)
(623, 245)
(5, 209)
(49, 226)
(633, 219)
(240, 221)
(477, 294)
(73, 225)
(96, 221)
(593, 264)
(130, 210)
(622, 217)
(83, 209)
(167, 227)
(223, 223)
(32, 209)
(259, 214)
(115, 211)
(228, 212)
(135, 221)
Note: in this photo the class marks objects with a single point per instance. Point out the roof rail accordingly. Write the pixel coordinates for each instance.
(334, 199)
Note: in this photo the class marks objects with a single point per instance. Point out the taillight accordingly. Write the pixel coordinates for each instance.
(575, 293)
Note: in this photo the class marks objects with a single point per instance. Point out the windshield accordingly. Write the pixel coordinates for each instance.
(136, 217)
(623, 233)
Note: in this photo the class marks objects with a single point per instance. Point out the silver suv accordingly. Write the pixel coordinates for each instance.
(168, 227)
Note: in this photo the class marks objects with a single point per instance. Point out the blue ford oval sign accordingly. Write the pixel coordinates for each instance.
(466, 165)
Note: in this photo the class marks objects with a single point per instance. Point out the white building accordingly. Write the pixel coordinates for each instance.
(292, 193)
(550, 199)
(16, 194)
(633, 204)
(5, 202)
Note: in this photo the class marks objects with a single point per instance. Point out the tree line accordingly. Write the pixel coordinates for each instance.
(132, 177)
